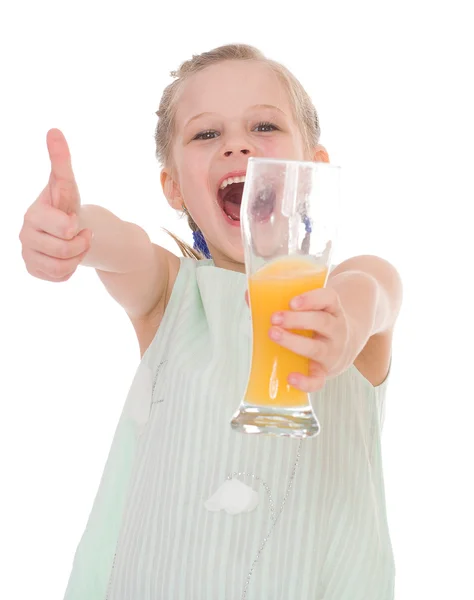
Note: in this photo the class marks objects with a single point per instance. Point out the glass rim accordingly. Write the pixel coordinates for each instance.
(306, 163)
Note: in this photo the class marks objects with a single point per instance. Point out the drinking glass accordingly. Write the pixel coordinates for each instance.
(288, 217)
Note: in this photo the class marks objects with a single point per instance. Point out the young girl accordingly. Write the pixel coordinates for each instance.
(187, 508)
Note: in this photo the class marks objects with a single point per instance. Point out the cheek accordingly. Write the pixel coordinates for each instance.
(196, 186)
(196, 167)
(191, 169)
(282, 148)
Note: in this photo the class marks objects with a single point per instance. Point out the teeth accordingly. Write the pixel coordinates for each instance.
(230, 180)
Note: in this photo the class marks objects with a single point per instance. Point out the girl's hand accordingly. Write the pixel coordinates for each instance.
(331, 348)
(52, 244)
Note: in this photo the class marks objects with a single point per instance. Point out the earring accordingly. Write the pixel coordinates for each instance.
(200, 243)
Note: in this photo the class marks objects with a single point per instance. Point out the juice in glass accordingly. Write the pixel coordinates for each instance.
(271, 289)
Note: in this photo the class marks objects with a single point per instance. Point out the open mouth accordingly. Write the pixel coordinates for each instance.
(230, 200)
(230, 197)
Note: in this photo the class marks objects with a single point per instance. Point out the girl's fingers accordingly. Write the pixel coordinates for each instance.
(307, 384)
(320, 299)
(319, 321)
(58, 248)
(314, 382)
(47, 218)
(54, 268)
(45, 277)
(315, 349)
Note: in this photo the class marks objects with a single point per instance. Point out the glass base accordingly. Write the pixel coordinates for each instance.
(297, 422)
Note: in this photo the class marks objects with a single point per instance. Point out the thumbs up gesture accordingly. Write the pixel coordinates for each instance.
(52, 245)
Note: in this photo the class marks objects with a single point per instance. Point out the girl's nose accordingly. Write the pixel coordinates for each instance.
(237, 144)
(244, 151)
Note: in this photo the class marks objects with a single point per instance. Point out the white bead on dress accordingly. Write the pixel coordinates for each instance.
(234, 497)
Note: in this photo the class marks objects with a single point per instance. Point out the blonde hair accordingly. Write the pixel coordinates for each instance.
(305, 112)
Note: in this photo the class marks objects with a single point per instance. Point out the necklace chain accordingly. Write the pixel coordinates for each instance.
(274, 517)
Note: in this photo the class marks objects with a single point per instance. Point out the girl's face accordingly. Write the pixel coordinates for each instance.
(226, 114)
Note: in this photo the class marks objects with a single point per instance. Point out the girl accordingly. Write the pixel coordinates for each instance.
(187, 508)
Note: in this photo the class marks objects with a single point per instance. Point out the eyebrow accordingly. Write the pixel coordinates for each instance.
(270, 106)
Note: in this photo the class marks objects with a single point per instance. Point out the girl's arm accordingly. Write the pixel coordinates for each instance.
(135, 272)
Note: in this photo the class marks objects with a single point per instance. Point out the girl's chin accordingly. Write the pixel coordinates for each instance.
(229, 255)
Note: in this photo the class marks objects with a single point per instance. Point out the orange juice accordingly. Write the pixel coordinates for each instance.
(271, 289)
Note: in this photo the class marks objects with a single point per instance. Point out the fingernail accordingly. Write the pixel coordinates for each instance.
(293, 380)
(275, 334)
(296, 302)
(277, 318)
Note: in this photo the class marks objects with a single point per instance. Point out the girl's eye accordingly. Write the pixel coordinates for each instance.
(265, 126)
(210, 134)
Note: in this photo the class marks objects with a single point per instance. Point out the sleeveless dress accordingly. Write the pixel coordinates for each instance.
(161, 526)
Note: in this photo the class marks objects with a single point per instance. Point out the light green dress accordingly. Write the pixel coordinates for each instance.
(165, 525)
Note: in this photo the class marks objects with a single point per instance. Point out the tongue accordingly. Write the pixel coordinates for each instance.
(232, 209)
(232, 199)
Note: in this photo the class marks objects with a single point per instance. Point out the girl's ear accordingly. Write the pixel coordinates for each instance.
(320, 154)
(171, 190)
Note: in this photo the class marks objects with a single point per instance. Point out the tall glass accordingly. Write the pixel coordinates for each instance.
(289, 215)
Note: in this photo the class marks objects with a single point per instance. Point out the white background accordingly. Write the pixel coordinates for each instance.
(392, 82)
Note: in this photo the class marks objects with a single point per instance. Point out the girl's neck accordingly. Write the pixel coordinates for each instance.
(224, 262)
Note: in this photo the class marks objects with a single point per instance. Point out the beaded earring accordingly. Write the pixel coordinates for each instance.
(200, 243)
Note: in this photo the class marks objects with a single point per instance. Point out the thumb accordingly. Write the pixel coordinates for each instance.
(87, 235)
(64, 193)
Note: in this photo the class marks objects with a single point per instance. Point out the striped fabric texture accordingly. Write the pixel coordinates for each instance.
(150, 536)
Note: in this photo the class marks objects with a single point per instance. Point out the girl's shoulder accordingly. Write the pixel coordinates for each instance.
(181, 272)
